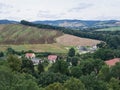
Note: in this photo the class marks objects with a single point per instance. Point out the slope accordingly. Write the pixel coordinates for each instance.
(21, 34)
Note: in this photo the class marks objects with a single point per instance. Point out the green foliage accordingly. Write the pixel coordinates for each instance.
(104, 54)
(71, 52)
(27, 66)
(13, 81)
(46, 78)
(91, 65)
(75, 60)
(14, 62)
(10, 51)
(93, 83)
(60, 66)
(115, 71)
(114, 84)
(74, 84)
(55, 86)
(75, 71)
(1, 54)
(104, 73)
(40, 67)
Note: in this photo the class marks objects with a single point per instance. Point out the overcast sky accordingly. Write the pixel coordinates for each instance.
(59, 9)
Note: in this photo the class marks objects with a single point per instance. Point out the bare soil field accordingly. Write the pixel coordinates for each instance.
(70, 40)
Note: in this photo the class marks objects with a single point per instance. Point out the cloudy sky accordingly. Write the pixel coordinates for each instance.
(59, 9)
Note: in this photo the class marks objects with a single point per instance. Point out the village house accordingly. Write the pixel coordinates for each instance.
(52, 58)
(30, 55)
(85, 49)
(112, 62)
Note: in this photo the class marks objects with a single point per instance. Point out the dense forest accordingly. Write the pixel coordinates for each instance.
(71, 72)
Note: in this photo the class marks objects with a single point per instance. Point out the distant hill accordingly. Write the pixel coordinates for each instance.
(81, 23)
(21, 34)
(8, 22)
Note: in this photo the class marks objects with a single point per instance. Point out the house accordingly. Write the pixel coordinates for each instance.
(30, 55)
(36, 61)
(112, 62)
(52, 58)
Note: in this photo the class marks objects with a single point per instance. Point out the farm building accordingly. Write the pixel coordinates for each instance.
(30, 55)
(52, 58)
(112, 62)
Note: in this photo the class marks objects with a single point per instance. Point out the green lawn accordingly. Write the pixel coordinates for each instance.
(55, 48)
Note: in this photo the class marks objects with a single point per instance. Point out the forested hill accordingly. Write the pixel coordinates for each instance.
(111, 38)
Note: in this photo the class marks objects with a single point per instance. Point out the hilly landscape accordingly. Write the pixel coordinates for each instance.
(73, 24)
(21, 34)
(22, 37)
(77, 24)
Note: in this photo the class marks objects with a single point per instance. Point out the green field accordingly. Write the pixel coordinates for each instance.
(55, 48)
(110, 29)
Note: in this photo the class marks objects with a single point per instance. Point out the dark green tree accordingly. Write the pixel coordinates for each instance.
(14, 62)
(27, 66)
(40, 67)
(55, 86)
(114, 84)
(46, 78)
(71, 52)
(74, 84)
(60, 66)
(74, 60)
(91, 82)
(75, 71)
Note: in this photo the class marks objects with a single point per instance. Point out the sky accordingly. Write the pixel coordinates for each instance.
(59, 9)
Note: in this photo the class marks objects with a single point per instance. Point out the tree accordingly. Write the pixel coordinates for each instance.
(104, 73)
(10, 51)
(16, 81)
(75, 71)
(55, 86)
(40, 67)
(74, 84)
(47, 78)
(1, 54)
(115, 71)
(91, 82)
(60, 66)
(114, 84)
(71, 52)
(91, 65)
(27, 66)
(74, 61)
(14, 62)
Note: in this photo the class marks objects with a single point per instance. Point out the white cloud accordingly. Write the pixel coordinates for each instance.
(59, 9)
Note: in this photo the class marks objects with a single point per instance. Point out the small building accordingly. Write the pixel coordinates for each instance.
(112, 62)
(52, 58)
(36, 61)
(30, 55)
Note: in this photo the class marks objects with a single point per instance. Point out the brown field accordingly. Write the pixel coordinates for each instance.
(70, 40)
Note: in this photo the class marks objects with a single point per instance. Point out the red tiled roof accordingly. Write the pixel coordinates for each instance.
(52, 57)
(112, 62)
(30, 55)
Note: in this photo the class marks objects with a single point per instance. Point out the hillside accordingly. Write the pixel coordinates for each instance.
(70, 40)
(21, 34)
(75, 24)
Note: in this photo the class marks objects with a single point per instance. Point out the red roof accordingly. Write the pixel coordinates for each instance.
(112, 62)
(30, 55)
(52, 57)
